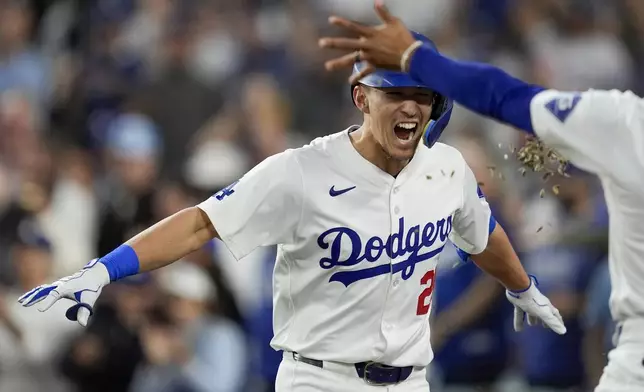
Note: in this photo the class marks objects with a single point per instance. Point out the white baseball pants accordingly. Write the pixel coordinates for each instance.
(625, 369)
(296, 376)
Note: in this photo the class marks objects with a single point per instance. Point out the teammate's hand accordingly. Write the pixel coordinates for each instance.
(530, 304)
(83, 288)
(380, 46)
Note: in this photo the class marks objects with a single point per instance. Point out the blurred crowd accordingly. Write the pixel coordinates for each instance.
(115, 114)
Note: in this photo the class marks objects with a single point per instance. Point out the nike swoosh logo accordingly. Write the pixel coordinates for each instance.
(334, 193)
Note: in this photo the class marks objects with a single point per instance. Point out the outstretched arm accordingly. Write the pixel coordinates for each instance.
(476, 233)
(258, 210)
(161, 244)
(500, 261)
(479, 87)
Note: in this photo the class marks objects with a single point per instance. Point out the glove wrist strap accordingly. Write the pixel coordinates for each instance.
(533, 283)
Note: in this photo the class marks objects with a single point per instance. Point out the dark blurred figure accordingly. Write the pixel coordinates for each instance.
(31, 342)
(199, 351)
(28, 168)
(105, 356)
(469, 328)
(22, 67)
(176, 100)
(132, 158)
(564, 263)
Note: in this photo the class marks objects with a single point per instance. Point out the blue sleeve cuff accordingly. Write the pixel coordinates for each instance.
(121, 262)
(479, 87)
(463, 255)
(492, 224)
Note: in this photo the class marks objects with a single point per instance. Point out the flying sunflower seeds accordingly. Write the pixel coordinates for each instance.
(555, 189)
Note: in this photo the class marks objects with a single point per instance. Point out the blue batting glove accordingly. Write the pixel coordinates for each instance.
(83, 288)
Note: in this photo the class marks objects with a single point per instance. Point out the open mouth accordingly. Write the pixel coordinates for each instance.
(405, 131)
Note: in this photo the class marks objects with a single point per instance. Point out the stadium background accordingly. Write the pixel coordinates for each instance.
(116, 113)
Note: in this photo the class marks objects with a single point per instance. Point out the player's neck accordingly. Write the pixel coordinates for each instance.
(372, 151)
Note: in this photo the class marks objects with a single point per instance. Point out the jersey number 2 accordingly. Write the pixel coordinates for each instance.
(425, 298)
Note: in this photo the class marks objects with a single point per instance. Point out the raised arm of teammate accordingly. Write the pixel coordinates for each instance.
(598, 131)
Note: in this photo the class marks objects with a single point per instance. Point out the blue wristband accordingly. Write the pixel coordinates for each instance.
(121, 262)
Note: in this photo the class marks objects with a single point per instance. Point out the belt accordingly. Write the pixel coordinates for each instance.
(373, 373)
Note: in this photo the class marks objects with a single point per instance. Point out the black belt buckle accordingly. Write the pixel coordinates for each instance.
(368, 380)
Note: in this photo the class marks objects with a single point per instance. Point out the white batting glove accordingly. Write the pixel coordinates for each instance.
(83, 288)
(537, 307)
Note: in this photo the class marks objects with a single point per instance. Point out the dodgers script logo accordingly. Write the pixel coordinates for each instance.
(410, 242)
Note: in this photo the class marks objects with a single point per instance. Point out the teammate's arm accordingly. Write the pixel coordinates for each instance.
(596, 130)
(599, 131)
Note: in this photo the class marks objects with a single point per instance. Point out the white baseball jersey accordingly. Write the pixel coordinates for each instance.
(358, 248)
(603, 132)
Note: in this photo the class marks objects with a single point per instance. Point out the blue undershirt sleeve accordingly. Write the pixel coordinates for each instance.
(479, 87)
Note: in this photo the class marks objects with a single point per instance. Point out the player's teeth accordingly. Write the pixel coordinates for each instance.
(407, 125)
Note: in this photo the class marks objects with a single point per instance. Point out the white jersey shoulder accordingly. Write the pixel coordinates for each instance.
(599, 131)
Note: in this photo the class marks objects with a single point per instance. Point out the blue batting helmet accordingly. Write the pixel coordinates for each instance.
(442, 107)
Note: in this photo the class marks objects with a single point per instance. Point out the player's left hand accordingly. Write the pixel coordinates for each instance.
(380, 46)
(532, 305)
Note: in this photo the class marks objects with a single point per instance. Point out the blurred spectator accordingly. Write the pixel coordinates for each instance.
(553, 362)
(30, 173)
(72, 221)
(196, 351)
(570, 38)
(31, 342)
(470, 319)
(115, 114)
(176, 101)
(22, 67)
(105, 356)
(132, 158)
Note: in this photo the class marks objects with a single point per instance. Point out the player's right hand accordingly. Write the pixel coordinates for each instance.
(83, 288)
(532, 305)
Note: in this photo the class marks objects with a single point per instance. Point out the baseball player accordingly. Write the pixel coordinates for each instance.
(599, 131)
(359, 218)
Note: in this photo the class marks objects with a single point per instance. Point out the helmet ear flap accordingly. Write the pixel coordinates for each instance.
(439, 119)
